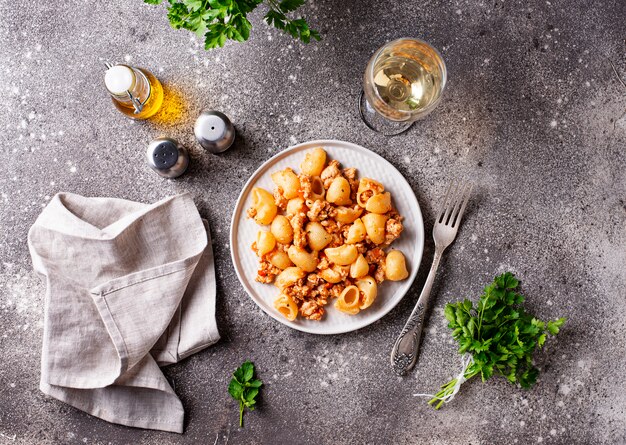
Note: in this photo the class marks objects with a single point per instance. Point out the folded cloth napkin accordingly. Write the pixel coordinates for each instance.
(130, 287)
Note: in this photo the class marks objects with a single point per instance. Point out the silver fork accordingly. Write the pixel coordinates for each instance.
(404, 352)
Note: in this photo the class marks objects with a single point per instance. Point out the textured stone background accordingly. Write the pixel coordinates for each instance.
(533, 113)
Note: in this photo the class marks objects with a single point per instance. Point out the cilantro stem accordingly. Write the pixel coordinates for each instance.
(241, 414)
(482, 313)
(448, 388)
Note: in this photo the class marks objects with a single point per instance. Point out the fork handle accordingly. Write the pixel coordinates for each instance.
(404, 352)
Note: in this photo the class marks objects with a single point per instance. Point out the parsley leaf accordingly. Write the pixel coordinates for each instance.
(243, 387)
(499, 334)
(290, 5)
(221, 20)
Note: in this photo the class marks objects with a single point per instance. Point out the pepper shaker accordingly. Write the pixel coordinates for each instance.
(167, 157)
(214, 131)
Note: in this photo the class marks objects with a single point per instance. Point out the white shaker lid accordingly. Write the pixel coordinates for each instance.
(118, 79)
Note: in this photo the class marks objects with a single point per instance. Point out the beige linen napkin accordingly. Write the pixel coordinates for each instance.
(130, 287)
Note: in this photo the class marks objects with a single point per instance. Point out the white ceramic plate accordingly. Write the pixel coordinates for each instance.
(243, 233)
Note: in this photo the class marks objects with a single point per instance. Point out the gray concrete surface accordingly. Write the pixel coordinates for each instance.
(533, 113)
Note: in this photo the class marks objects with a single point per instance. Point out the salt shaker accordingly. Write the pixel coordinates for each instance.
(167, 157)
(214, 131)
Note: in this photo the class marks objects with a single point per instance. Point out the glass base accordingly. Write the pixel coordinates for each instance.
(376, 122)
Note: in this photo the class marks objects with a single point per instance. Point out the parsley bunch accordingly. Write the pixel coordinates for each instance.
(499, 334)
(221, 20)
(244, 388)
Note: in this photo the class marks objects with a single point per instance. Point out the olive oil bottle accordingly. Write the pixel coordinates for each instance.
(135, 91)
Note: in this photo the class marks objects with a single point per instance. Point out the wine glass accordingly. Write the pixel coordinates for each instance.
(402, 83)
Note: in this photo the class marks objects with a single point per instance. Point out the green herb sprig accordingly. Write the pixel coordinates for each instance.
(244, 388)
(499, 334)
(221, 20)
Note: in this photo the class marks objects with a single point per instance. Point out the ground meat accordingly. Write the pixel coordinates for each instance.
(336, 290)
(330, 210)
(299, 291)
(315, 210)
(299, 234)
(393, 214)
(267, 279)
(337, 240)
(331, 226)
(279, 198)
(320, 210)
(379, 275)
(365, 196)
(330, 173)
(312, 310)
(344, 229)
(350, 175)
(313, 279)
(393, 229)
(305, 185)
(375, 256)
(372, 270)
(324, 290)
(282, 247)
(361, 247)
(376, 259)
(267, 272)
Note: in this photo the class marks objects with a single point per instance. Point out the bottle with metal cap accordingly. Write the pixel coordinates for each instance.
(167, 157)
(134, 91)
(214, 131)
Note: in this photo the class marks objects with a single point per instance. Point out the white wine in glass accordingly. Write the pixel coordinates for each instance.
(403, 82)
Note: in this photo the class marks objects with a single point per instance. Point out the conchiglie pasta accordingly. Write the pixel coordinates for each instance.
(369, 291)
(295, 206)
(289, 277)
(349, 300)
(288, 181)
(347, 215)
(264, 206)
(261, 196)
(339, 191)
(282, 230)
(303, 259)
(379, 203)
(368, 188)
(279, 259)
(317, 236)
(343, 255)
(317, 189)
(265, 242)
(359, 268)
(395, 266)
(286, 306)
(314, 162)
(375, 227)
(356, 232)
(335, 274)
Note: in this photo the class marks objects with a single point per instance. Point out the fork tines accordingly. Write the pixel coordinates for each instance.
(454, 203)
